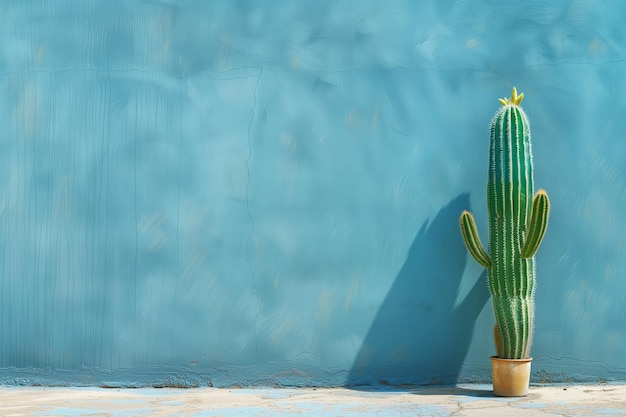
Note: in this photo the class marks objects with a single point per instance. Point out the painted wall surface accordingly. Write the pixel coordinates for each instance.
(250, 192)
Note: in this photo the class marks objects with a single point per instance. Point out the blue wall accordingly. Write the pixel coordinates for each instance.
(267, 192)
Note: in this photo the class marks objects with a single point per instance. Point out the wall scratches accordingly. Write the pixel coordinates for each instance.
(252, 228)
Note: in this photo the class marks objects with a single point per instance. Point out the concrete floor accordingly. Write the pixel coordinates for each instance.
(462, 400)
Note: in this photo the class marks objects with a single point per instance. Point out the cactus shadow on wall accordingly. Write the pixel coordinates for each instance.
(420, 334)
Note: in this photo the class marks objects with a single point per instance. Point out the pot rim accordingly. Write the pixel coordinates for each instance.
(498, 359)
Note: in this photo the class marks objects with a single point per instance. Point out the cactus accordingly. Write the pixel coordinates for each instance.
(516, 228)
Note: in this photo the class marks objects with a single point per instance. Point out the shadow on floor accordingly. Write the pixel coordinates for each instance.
(480, 391)
(421, 334)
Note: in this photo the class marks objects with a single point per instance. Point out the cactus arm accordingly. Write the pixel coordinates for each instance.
(537, 224)
(472, 240)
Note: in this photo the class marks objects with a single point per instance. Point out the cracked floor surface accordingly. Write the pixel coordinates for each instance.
(462, 400)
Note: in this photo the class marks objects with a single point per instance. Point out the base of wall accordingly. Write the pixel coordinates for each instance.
(545, 371)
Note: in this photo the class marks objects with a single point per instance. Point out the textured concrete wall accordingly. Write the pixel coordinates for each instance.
(259, 192)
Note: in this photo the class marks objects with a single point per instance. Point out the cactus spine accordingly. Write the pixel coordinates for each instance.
(516, 227)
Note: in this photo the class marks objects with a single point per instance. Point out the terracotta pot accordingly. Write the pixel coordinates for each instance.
(510, 376)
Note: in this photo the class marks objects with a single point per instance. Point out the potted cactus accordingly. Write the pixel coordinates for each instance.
(516, 227)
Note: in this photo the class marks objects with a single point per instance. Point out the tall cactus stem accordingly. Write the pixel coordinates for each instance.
(517, 224)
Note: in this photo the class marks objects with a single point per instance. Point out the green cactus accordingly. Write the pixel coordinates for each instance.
(516, 228)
